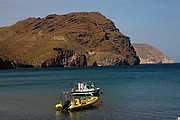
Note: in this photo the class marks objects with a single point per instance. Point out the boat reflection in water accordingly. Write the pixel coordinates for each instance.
(71, 115)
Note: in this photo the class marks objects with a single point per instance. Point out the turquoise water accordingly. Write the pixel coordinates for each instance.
(147, 92)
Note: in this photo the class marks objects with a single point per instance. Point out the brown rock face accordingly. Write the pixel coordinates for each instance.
(65, 58)
(75, 39)
(150, 55)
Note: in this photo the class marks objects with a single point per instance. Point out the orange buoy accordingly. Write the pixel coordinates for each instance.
(100, 101)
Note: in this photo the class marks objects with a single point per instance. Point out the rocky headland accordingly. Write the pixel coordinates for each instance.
(148, 54)
(75, 39)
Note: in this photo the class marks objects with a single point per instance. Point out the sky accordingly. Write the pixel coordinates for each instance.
(154, 22)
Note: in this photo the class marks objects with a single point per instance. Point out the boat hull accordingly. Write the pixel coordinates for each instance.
(86, 93)
(78, 105)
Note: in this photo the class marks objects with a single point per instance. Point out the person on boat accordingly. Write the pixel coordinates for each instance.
(92, 85)
(87, 86)
(73, 89)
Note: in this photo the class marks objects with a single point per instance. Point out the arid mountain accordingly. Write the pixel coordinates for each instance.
(75, 39)
(149, 54)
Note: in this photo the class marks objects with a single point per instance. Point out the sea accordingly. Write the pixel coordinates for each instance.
(141, 92)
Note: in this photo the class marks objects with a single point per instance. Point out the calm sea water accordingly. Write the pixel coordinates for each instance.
(147, 92)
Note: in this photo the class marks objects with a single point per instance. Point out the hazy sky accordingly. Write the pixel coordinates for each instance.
(155, 22)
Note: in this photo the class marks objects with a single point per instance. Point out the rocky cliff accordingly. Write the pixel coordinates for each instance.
(75, 39)
(150, 55)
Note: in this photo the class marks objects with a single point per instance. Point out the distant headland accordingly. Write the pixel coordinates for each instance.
(148, 54)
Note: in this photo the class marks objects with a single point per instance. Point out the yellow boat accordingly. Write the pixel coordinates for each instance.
(76, 104)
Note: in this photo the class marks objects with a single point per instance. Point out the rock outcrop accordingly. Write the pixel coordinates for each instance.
(75, 39)
(6, 64)
(150, 55)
